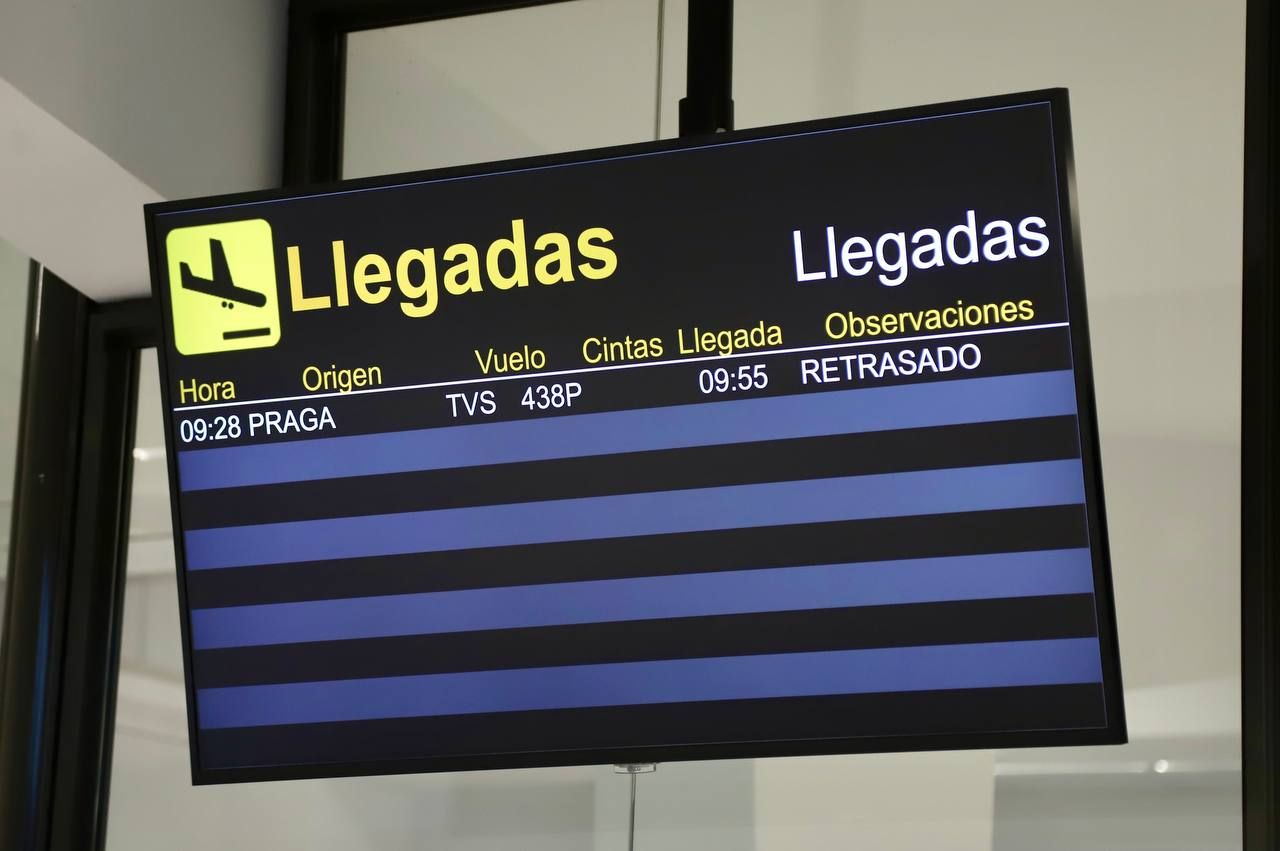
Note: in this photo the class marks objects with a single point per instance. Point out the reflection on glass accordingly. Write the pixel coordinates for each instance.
(559, 77)
(1146, 142)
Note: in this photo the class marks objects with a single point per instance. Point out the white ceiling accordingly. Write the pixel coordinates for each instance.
(69, 204)
(107, 106)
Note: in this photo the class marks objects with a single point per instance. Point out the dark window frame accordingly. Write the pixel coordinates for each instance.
(1260, 424)
(70, 533)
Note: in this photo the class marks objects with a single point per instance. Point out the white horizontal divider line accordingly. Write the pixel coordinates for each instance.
(612, 367)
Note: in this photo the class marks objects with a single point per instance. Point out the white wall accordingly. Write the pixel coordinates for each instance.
(107, 106)
(14, 274)
(186, 95)
(1176, 812)
(13, 314)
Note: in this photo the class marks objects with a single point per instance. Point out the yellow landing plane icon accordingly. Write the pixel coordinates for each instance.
(222, 287)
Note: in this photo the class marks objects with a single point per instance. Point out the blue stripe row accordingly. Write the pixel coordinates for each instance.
(890, 669)
(1006, 397)
(926, 580)
(635, 514)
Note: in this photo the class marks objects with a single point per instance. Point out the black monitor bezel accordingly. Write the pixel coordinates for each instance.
(1115, 730)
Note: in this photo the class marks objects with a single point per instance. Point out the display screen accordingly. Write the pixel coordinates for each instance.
(773, 442)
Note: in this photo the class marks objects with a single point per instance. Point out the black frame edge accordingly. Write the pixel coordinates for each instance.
(1260, 422)
(1091, 448)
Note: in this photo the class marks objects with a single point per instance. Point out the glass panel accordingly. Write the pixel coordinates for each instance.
(560, 77)
(1157, 114)
(1157, 96)
(14, 273)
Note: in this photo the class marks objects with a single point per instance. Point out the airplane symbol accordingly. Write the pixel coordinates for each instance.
(221, 286)
(222, 278)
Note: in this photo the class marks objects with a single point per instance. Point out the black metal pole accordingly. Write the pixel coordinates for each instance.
(708, 104)
(1260, 431)
(314, 96)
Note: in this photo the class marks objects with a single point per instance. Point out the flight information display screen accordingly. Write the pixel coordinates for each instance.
(772, 442)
